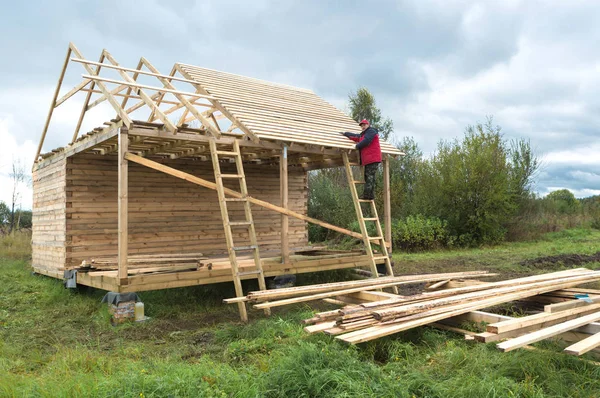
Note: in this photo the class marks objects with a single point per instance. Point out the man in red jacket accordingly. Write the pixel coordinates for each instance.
(370, 155)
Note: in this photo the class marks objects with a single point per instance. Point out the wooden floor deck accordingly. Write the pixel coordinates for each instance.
(171, 273)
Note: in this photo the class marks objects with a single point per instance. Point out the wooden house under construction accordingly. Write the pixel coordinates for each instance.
(210, 187)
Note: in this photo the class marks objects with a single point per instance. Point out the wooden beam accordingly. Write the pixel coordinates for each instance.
(548, 332)
(218, 105)
(584, 345)
(84, 108)
(542, 317)
(283, 178)
(116, 92)
(72, 92)
(188, 105)
(145, 97)
(137, 71)
(129, 88)
(120, 112)
(161, 97)
(52, 105)
(211, 185)
(567, 305)
(319, 296)
(387, 206)
(263, 144)
(153, 88)
(123, 207)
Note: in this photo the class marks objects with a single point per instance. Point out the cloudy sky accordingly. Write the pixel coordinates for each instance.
(434, 66)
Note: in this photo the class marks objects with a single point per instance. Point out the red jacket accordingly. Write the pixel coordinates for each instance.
(368, 144)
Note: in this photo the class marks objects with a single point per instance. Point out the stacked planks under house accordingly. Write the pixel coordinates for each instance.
(207, 184)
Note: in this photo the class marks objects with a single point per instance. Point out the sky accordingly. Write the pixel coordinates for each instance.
(434, 67)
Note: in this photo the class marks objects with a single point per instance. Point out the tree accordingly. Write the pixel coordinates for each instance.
(362, 106)
(403, 177)
(476, 184)
(565, 201)
(18, 177)
(4, 216)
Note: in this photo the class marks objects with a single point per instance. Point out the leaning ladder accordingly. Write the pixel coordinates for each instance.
(248, 223)
(373, 217)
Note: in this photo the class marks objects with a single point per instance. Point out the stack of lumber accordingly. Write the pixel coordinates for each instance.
(572, 320)
(326, 290)
(364, 322)
(142, 264)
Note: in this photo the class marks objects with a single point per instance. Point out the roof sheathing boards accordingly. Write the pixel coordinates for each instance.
(279, 112)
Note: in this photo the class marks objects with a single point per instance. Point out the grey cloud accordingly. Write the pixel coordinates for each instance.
(390, 47)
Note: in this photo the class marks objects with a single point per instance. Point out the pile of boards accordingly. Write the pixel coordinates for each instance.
(390, 314)
(146, 263)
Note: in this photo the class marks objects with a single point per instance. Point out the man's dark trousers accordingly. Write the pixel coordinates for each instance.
(370, 174)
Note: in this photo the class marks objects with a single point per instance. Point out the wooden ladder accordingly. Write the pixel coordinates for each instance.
(373, 217)
(248, 223)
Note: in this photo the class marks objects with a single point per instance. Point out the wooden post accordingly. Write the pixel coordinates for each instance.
(283, 177)
(387, 206)
(123, 206)
(53, 105)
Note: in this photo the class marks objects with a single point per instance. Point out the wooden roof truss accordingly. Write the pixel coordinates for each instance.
(197, 105)
(264, 116)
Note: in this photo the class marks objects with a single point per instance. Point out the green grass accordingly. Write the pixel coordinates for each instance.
(59, 343)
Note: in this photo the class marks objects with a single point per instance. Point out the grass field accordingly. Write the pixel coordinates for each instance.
(56, 342)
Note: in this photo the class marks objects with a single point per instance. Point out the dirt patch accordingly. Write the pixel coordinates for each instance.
(564, 260)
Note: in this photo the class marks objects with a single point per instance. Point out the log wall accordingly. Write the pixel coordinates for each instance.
(49, 217)
(167, 214)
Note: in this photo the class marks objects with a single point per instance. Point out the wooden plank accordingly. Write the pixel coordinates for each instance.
(329, 287)
(548, 332)
(337, 293)
(52, 105)
(520, 323)
(123, 205)
(189, 106)
(584, 345)
(220, 107)
(72, 92)
(567, 305)
(387, 203)
(138, 85)
(388, 329)
(283, 176)
(137, 70)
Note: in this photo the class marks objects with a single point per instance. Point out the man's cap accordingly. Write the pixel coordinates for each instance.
(364, 121)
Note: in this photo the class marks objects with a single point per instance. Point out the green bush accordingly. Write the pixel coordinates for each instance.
(329, 200)
(476, 184)
(421, 233)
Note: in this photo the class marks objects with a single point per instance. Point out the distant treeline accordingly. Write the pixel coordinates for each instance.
(473, 191)
(13, 219)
